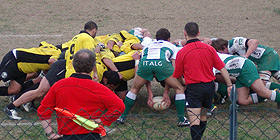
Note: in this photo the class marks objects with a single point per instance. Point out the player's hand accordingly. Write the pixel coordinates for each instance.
(229, 88)
(207, 41)
(143, 30)
(120, 75)
(166, 100)
(150, 101)
(54, 136)
(119, 43)
(136, 56)
(176, 41)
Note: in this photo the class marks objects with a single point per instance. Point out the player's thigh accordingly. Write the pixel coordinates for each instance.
(138, 83)
(243, 95)
(174, 83)
(260, 89)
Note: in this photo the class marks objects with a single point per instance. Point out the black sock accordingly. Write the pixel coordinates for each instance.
(203, 125)
(11, 106)
(195, 129)
(4, 91)
(31, 87)
(26, 85)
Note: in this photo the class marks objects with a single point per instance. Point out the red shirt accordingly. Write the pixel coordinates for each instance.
(195, 61)
(82, 96)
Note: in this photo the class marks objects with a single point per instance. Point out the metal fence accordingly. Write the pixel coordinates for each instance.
(232, 123)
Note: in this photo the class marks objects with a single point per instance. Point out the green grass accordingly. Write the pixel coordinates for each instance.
(254, 122)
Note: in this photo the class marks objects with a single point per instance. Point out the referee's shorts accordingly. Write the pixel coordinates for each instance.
(200, 95)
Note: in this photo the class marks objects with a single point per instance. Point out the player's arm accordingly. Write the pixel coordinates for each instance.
(51, 61)
(205, 40)
(137, 46)
(252, 45)
(166, 98)
(226, 77)
(110, 44)
(150, 94)
(48, 130)
(146, 33)
(110, 64)
(180, 42)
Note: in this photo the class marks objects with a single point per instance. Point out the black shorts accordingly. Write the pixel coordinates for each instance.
(9, 69)
(90, 136)
(200, 95)
(122, 86)
(56, 72)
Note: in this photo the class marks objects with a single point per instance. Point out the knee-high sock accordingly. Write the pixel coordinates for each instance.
(272, 85)
(195, 132)
(4, 91)
(222, 89)
(203, 125)
(128, 102)
(275, 96)
(256, 98)
(180, 102)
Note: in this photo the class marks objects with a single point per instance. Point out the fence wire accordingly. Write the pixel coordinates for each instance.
(253, 123)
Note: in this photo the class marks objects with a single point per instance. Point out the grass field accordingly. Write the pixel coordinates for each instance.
(24, 23)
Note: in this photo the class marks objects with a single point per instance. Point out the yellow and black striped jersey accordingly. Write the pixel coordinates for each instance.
(35, 59)
(123, 36)
(78, 42)
(124, 63)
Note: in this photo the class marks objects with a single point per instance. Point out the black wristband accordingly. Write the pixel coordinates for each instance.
(49, 134)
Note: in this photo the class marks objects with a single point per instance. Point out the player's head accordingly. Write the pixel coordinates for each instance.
(191, 29)
(111, 79)
(220, 45)
(84, 61)
(163, 34)
(91, 27)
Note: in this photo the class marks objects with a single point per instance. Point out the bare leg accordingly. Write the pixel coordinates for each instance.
(243, 96)
(33, 94)
(14, 87)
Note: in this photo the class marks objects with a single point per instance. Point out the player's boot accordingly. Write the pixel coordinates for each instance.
(120, 120)
(26, 106)
(184, 123)
(12, 114)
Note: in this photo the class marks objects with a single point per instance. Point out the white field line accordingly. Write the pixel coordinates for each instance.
(22, 124)
(39, 35)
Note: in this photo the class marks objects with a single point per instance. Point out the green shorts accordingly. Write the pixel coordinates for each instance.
(249, 74)
(269, 61)
(148, 69)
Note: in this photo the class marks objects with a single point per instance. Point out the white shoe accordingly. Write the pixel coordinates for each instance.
(12, 114)
(184, 123)
(26, 106)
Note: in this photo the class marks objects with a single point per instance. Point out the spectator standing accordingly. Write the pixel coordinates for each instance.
(80, 95)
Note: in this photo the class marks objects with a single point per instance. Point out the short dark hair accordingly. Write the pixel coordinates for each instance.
(84, 61)
(163, 34)
(90, 25)
(192, 29)
(112, 77)
(219, 44)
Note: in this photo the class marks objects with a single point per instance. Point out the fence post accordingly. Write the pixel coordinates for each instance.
(233, 114)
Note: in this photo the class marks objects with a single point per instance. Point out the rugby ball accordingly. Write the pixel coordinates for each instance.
(158, 103)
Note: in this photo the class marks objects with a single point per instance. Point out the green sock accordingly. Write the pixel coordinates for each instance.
(222, 89)
(180, 103)
(277, 98)
(128, 102)
(256, 98)
(274, 86)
